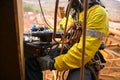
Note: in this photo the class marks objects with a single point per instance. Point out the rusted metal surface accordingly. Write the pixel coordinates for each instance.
(61, 11)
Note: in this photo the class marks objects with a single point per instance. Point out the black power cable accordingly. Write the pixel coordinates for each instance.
(43, 14)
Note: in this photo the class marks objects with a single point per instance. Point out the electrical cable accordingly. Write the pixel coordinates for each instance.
(43, 14)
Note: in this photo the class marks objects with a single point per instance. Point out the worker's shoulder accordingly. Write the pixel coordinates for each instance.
(97, 9)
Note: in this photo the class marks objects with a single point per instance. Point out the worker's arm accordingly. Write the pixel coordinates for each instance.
(97, 20)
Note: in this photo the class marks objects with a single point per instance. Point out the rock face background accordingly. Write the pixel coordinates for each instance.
(113, 8)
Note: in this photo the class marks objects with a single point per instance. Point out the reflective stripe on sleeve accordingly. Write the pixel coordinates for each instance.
(94, 33)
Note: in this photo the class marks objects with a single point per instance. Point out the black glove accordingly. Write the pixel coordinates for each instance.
(46, 62)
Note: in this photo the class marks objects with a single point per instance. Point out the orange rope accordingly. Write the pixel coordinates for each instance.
(84, 39)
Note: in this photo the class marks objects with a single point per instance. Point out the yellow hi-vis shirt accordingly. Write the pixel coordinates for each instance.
(97, 19)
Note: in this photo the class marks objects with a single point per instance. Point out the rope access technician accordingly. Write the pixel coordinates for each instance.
(97, 28)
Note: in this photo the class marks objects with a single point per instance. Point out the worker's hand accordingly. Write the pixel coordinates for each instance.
(46, 62)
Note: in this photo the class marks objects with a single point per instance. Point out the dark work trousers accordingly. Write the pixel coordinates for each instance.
(75, 74)
(32, 70)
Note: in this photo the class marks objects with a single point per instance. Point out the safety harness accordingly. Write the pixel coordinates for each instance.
(96, 64)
